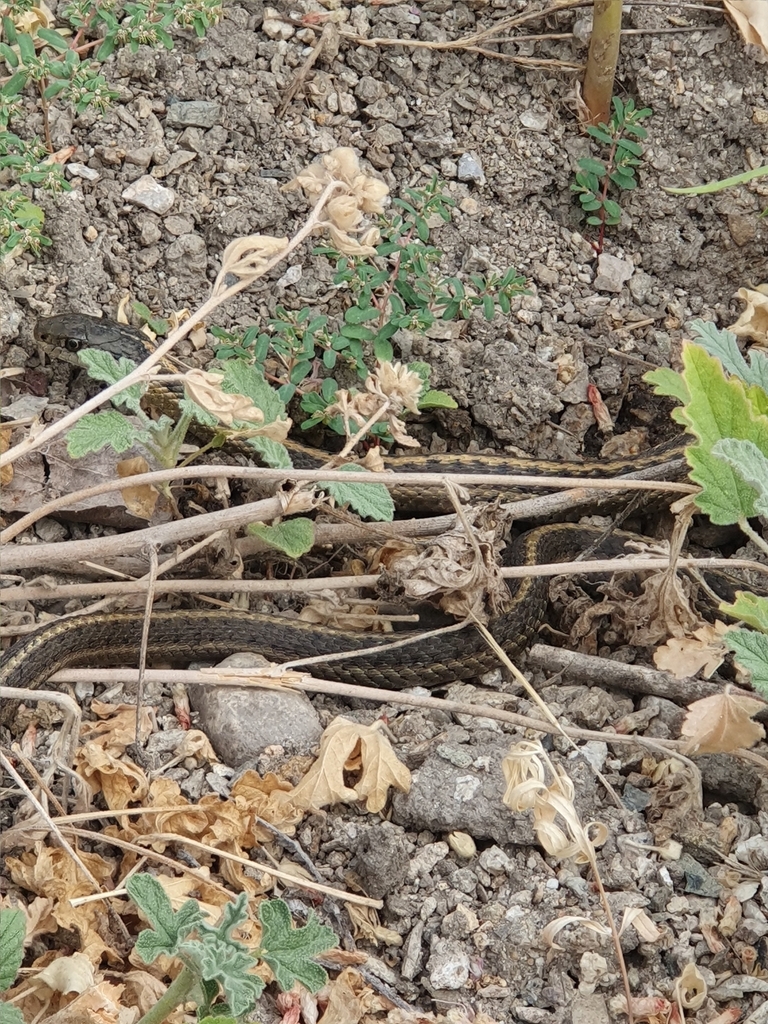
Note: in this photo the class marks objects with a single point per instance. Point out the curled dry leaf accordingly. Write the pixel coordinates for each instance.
(29, 21)
(699, 654)
(449, 567)
(753, 322)
(550, 932)
(139, 500)
(329, 609)
(347, 747)
(249, 257)
(397, 384)
(751, 19)
(73, 973)
(690, 988)
(525, 770)
(346, 245)
(367, 926)
(204, 388)
(722, 724)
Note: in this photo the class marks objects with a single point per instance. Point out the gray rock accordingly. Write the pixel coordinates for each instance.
(75, 170)
(612, 273)
(445, 798)
(241, 722)
(470, 169)
(448, 965)
(150, 194)
(197, 113)
(534, 120)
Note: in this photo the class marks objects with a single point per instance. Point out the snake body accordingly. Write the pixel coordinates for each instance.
(425, 659)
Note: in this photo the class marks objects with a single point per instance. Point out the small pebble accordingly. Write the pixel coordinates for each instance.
(470, 169)
(150, 194)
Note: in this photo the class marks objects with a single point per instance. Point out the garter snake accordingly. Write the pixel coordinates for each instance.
(201, 634)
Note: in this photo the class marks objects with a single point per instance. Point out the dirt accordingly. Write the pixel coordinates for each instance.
(520, 382)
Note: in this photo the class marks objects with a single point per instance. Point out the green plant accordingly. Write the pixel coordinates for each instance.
(400, 287)
(217, 968)
(237, 402)
(724, 405)
(718, 186)
(595, 177)
(13, 928)
(54, 61)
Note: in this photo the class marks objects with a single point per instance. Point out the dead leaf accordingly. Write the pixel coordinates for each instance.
(101, 1004)
(753, 322)
(6, 473)
(205, 388)
(121, 782)
(690, 988)
(751, 19)
(68, 974)
(347, 747)
(366, 926)
(722, 724)
(699, 654)
(142, 498)
(117, 728)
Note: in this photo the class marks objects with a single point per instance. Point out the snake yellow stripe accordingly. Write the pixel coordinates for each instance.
(186, 635)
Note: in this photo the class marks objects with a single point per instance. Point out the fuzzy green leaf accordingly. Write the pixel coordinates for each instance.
(751, 650)
(668, 382)
(13, 929)
(169, 928)
(103, 366)
(271, 453)
(749, 608)
(723, 346)
(294, 537)
(289, 950)
(751, 465)
(371, 501)
(99, 430)
(720, 408)
(437, 400)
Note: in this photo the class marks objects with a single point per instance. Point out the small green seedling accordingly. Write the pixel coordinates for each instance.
(596, 177)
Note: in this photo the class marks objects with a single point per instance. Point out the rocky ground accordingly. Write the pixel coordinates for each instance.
(206, 121)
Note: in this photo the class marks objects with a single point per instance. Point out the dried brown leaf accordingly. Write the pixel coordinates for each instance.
(751, 19)
(141, 499)
(753, 322)
(347, 747)
(699, 654)
(366, 926)
(690, 988)
(204, 388)
(722, 724)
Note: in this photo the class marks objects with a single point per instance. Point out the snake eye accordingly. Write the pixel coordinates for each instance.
(72, 345)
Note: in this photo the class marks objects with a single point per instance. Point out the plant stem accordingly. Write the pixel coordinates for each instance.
(175, 994)
(602, 60)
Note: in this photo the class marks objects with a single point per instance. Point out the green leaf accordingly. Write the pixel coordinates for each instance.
(371, 501)
(382, 349)
(356, 315)
(242, 379)
(198, 413)
(751, 465)
(53, 39)
(723, 345)
(288, 950)
(751, 650)
(718, 186)
(612, 209)
(623, 178)
(600, 134)
(13, 929)
(353, 331)
(169, 928)
(294, 537)
(271, 453)
(100, 430)
(631, 147)
(592, 166)
(437, 400)
(720, 408)
(103, 366)
(749, 608)
(669, 383)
